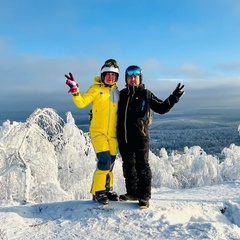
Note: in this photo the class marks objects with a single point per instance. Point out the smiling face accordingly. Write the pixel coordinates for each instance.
(110, 78)
(133, 80)
(133, 75)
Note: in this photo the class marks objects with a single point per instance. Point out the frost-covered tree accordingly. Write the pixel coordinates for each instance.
(37, 157)
(47, 159)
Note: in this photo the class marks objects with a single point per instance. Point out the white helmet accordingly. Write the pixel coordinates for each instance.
(110, 65)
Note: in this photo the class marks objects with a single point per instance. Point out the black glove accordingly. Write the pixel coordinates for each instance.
(177, 93)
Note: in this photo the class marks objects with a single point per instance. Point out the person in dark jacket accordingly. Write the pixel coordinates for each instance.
(133, 135)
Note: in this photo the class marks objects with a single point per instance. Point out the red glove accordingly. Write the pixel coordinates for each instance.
(71, 83)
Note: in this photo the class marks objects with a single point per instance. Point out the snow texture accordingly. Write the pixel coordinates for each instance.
(46, 169)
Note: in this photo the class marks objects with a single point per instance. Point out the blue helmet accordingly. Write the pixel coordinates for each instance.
(134, 70)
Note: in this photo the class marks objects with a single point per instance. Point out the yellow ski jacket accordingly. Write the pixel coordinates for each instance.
(104, 101)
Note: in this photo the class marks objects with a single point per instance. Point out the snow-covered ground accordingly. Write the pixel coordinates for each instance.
(210, 212)
(46, 168)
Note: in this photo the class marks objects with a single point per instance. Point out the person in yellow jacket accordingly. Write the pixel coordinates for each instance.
(104, 97)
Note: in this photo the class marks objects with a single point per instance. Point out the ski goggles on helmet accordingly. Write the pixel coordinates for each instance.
(110, 63)
(134, 70)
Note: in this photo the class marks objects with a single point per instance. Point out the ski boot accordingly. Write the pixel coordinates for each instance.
(143, 203)
(112, 196)
(127, 197)
(101, 198)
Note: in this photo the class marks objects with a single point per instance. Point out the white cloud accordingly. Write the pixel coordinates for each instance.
(152, 64)
(230, 66)
(191, 70)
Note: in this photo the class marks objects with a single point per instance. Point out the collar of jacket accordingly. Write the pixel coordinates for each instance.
(110, 86)
(133, 89)
(98, 81)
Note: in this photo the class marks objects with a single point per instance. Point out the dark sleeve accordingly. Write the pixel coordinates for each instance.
(160, 106)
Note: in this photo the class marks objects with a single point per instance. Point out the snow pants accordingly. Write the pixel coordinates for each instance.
(106, 151)
(136, 169)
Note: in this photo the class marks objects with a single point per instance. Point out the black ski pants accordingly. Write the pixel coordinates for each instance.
(136, 169)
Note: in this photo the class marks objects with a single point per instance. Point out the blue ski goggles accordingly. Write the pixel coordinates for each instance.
(136, 71)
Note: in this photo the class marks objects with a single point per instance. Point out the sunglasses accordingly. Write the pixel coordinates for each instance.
(136, 71)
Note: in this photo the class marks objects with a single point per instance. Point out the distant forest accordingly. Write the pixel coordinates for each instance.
(211, 130)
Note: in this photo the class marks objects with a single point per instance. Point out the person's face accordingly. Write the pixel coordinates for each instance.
(133, 80)
(110, 78)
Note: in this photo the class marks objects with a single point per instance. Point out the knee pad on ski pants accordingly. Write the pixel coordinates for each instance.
(105, 161)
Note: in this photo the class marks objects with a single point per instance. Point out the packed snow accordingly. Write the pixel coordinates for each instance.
(46, 169)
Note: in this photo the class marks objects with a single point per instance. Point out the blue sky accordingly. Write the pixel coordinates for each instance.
(195, 42)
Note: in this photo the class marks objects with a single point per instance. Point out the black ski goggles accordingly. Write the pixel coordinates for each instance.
(110, 63)
(134, 70)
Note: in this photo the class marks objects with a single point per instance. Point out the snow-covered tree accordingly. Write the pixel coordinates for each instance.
(47, 159)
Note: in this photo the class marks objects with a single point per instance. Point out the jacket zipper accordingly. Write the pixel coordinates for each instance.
(125, 119)
(109, 111)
